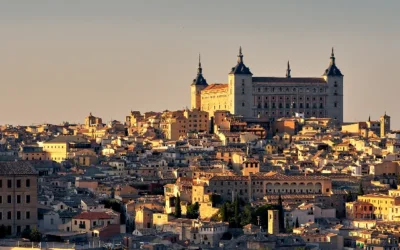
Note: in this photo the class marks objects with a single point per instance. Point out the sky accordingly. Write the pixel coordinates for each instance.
(60, 60)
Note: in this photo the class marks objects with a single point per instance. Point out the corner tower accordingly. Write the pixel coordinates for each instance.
(240, 88)
(334, 100)
(199, 83)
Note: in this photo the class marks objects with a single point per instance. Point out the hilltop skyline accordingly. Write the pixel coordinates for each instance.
(109, 59)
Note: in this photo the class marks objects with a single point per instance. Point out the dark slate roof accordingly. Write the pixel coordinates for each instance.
(289, 80)
(16, 168)
(200, 80)
(332, 70)
(240, 68)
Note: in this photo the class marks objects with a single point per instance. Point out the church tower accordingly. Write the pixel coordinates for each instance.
(199, 83)
(385, 125)
(334, 101)
(240, 88)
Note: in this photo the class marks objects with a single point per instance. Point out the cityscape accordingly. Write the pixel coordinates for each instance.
(253, 160)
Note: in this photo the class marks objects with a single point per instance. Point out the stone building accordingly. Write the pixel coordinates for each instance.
(18, 196)
(271, 97)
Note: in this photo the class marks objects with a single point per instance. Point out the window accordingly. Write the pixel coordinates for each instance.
(51, 221)
(1, 183)
(76, 222)
(9, 183)
(9, 199)
(335, 104)
(18, 183)
(242, 104)
(18, 215)
(28, 199)
(1, 215)
(28, 183)
(18, 198)
(27, 215)
(9, 215)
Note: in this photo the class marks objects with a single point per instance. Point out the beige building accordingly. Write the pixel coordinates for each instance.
(58, 149)
(382, 204)
(176, 124)
(18, 196)
(271, 97)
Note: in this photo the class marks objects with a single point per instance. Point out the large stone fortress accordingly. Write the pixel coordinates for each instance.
(271, 97)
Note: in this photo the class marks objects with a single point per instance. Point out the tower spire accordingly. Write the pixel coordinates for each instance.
(199, 70)
(240, 56)
(288, 70)
(333, 56)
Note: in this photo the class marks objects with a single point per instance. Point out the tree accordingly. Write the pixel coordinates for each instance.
(297, 222)
(26, 233)
(224, 213)
(178, 209)
(35, 235)
(360, 189)
(246, 215)
(349, 197)
(281, 215)
(193, 211)
(236, 211)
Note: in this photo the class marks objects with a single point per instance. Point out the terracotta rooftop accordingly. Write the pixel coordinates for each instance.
(216, 86)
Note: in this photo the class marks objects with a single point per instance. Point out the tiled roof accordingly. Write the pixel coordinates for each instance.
(216, 86)
(17, 168)
(92, 216)
(289, 80)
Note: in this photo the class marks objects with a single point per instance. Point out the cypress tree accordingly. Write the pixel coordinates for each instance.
(281, 215)
(297, 222)
(360, 189)
(178, 209)
(349, 197)
(224, 213)
(236, 211)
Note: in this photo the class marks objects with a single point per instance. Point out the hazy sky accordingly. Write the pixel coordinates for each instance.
(60, 60)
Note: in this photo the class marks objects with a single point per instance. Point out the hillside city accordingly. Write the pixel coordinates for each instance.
(257, 163)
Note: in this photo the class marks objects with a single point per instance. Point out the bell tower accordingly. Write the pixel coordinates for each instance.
(198, 84)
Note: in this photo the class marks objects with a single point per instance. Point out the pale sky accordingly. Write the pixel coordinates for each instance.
(60, 60)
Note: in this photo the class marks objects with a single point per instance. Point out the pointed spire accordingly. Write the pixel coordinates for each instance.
(369, 118)
(240, 56)
(288, 70)
(199, 70)
(333, 56)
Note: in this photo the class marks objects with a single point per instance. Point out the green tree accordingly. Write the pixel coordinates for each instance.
(224, 213)
(236, 211)
(35, 235)
(281, 214)
(193, 211)
(297, 222)
(26, 233)
(349, 197)
(246, 215)
(360, 189)
(178, 209)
